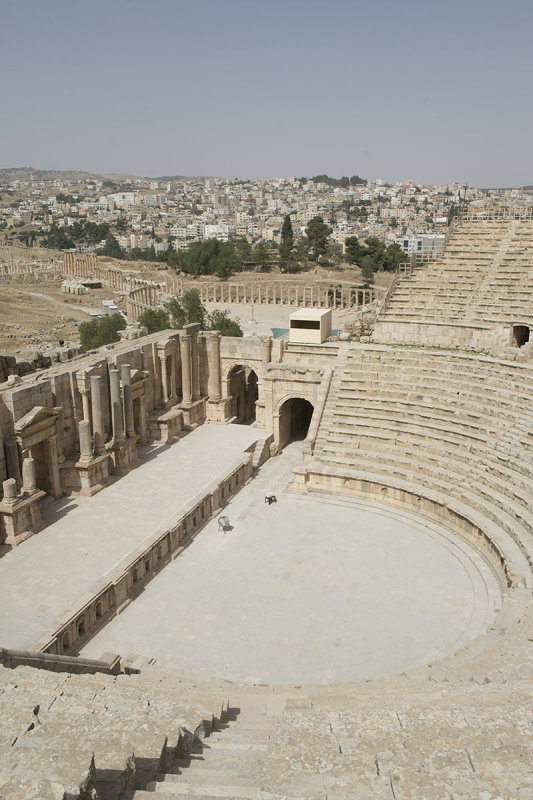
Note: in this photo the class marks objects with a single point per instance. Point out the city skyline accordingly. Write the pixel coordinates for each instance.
(383, 90)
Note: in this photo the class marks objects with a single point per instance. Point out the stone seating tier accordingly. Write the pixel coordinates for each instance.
(450, 423)
(485, 277)
(60, 720)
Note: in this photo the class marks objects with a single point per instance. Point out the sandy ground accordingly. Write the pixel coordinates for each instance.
(35, 314)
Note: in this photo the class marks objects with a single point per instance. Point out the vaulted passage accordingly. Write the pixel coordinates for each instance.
(294, 419)
(520, 335)
(242, 386)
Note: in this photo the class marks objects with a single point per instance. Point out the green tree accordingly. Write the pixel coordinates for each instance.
(287, 256)
(94, 232)
(155, 320)
(186, 309)
(376, 249)
(173, 259)
(333, 253)
(57, 239)
(367, 269)
(98, 332)
(394, 255)
(354, 250)
(243, 251)
(211, 257)
(317, 233)
(261, 256)
(221, 321)
(189, 308)
(286, 230)
(111, 248)
(301, 251)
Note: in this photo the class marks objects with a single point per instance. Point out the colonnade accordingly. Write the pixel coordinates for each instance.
(142, 298)
(93, 428)
(282, 293)
(83, 266)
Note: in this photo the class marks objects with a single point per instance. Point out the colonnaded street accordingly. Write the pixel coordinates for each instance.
(310, 589)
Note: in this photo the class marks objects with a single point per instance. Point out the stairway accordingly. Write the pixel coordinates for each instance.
(227, 765)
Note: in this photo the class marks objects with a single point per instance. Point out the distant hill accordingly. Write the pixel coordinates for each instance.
(30, 173)
(166, 178)
(506, 188)
(180, 178)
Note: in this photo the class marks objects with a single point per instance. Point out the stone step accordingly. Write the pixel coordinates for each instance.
(220, 753)
(196, 763)
(203, 772)
(203, 790)
(238, 747)
(238, 736)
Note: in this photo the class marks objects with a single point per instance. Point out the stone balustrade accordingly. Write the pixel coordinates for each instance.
(117, 589)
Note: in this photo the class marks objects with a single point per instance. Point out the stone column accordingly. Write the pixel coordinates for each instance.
(82, 380)
(186, 368)
(116, 406)
(9, 488)
(85, 404)
(29, 483)
(125, 371)
(53, 467)
(98, 417)
(86, 451)
(195, 370)
(13, 460)
(173, 391)
(142, 420)
(164, 377)
(266, 352)
(214, 389)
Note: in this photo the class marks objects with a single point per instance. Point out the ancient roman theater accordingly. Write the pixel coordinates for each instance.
(267, 568)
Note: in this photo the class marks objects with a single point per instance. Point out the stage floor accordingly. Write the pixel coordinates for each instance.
(311, 589)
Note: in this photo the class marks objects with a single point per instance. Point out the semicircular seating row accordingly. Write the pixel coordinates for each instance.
(456, 425)
(484, 277)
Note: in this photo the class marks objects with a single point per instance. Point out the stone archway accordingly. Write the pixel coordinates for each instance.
(243, 392)
(293, 420)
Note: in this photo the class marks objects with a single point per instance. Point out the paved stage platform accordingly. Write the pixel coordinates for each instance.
(310, 589)
(86, 537)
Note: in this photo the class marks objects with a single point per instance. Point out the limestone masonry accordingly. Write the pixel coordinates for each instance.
(431, 418)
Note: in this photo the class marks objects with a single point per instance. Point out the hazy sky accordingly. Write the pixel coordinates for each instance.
(433, 90)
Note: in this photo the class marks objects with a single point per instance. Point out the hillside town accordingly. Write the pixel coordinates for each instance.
(143, 215)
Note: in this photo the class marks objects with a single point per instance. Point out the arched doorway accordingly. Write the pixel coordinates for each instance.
(242, 388)
(294, 419)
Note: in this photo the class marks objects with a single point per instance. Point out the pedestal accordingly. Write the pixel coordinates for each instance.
(168, 426)
(125, 456)
(193, 413)
(87, 477)
(20, 519)
(218, 410)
